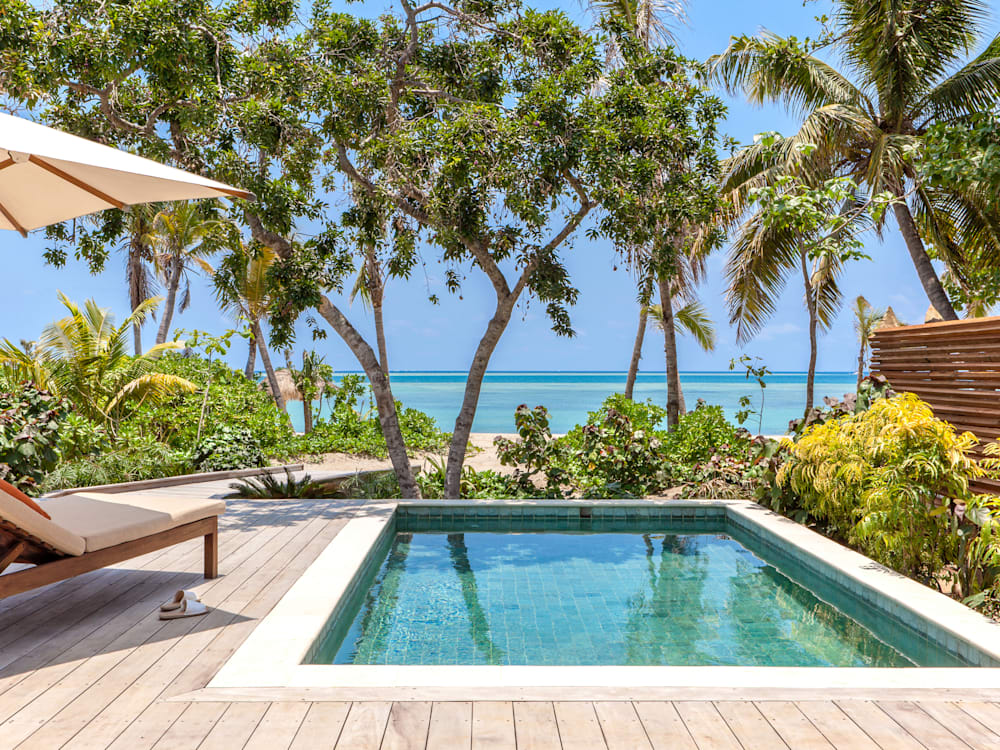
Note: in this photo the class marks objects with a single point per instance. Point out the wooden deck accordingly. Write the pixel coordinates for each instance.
(87, 664)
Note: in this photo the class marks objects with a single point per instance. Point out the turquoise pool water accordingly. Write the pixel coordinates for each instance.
(670, 597)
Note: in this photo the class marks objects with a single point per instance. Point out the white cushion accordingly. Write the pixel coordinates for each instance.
(106, 519)
(17, 513)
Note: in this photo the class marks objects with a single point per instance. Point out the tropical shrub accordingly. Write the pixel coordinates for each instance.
(130, 459)
(872, 388)
(233, 401)
(270, 486)
(84, 359)
(888, 480)
(348, 429)
(226, 449)
(80, 437)
(29, 434)
(485, 484)
(538, 459)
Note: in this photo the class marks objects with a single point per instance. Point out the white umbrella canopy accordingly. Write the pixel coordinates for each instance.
(48, 176)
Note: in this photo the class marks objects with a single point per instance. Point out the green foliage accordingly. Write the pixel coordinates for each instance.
(29, 432)
(130, 459)
(485, 484)
(226, 449)
(270, 486)
(873, 388)
(754, 368)
(886, 480)
(84, 358)
(348, 429)
(80, 437)
(700, 434)
(540, 456)
(233, 401)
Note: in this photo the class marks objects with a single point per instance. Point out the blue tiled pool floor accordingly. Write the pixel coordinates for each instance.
(592, 599)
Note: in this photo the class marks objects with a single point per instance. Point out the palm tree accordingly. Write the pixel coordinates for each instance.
(138, 251)
(84, 358)
(649, 22)
(243, 291)
(866, 320)
(691, 318)
(865, 122)
(183, 237)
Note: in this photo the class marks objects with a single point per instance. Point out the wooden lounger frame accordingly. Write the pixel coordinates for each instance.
(51, 565)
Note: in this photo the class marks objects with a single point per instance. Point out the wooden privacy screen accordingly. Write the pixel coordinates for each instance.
(954, 366)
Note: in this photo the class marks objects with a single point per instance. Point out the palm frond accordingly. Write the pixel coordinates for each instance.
(974, 88)
(770, 68)
(693, 318)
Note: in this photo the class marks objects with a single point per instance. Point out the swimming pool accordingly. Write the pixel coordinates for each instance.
(653, 591)
(607, 598)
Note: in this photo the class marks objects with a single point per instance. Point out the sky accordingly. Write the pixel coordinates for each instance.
(422, 336)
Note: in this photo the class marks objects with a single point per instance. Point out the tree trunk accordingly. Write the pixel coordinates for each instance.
(861, 364)
(670, 353)
(251, 358)
(813, 320)
(137, 339)
(376, 291)
(921, 261)
(388, 418)
(138, 289)
(633, 367)
(173, 282)
(473, 385)
(307, 407)
(265, 358)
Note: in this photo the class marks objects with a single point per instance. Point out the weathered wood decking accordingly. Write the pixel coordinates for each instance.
(87, 664)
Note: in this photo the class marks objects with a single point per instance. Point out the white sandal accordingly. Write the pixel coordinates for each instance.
(179, 597)
(188, 608)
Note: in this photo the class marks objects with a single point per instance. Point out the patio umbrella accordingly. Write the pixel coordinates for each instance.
(47, 176)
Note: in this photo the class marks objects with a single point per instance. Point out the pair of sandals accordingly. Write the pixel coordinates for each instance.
(184, 604)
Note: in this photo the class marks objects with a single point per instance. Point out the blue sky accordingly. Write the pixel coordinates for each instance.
(443, 337)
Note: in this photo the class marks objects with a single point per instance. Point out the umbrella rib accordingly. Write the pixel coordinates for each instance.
(12, 220)
(75, 181)
(6, 163)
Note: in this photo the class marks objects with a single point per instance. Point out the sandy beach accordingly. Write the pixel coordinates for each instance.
(485, 458)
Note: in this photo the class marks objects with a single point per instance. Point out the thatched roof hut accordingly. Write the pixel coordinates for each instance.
(932, 316)
(287, 386)
(889, 320)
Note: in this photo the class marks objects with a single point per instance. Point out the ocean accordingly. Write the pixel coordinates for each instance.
(570, 395)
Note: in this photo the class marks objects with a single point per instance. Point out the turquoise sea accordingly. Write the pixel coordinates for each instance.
(570, 395)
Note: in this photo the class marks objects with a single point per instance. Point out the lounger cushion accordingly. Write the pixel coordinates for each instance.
(15, 493)
(35, 524)
(104, 520)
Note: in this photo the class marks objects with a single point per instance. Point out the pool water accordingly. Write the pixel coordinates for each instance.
(623, 598)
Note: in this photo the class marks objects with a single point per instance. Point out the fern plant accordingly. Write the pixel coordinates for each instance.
(269, 486)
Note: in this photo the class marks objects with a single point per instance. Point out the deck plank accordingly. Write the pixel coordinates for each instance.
(278, 727)
(886, 732)
(706, 725)
(966, 728)
(919, 724)
(146, 730)
(987, 714)
(664, 726)
(749, 725)
(493, 726)
(579, 728)
(450, 727)
(621, 726)
(836, 726)
(365, 726)
(407, 727)
(535, 726)
(191, 727)
(112, 691)
(321, 727)
(234, 728)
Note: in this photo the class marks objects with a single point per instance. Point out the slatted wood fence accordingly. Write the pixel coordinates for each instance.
(954, 366)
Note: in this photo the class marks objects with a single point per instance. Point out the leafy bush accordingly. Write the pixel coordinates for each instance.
(29, 434)
(128, 460)
(535, 450)
(486, 484)
(349, 430)
(269, 486)
(80, 437)
(873, 388)
(886, 480)
(233, 401)
(226, 449)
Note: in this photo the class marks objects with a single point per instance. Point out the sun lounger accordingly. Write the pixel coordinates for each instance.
(88, 530)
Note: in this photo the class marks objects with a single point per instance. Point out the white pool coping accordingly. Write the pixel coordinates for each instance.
(273, 654)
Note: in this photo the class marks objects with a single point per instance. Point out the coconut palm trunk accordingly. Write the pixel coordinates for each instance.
(136, 281)
(921, 261)
(376, 292)
(251, 358)
(670, 353)
(640, 336)
(265, 358)
(813, 325)
(174, 272)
